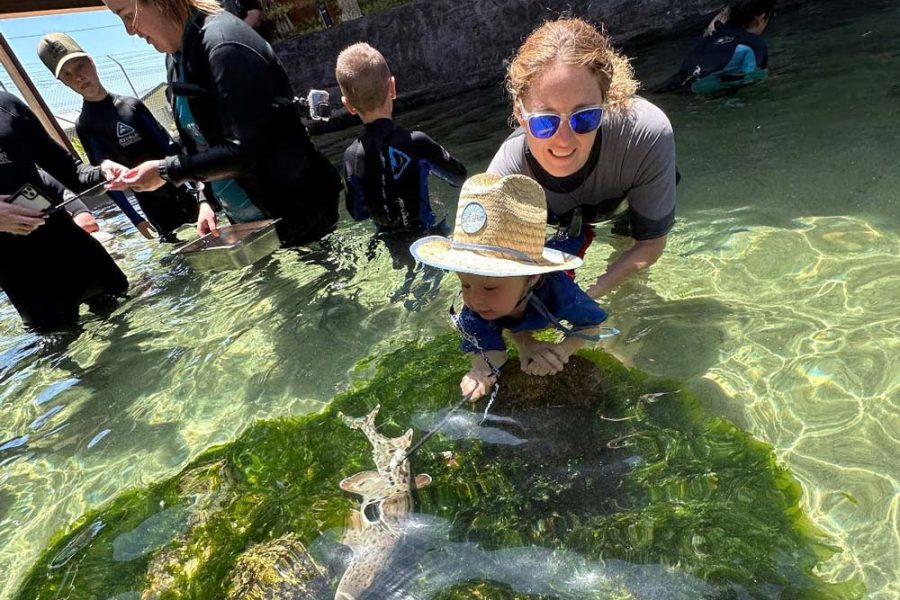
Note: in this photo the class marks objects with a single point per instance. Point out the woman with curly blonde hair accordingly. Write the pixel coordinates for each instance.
(598, 150)
(241, 130)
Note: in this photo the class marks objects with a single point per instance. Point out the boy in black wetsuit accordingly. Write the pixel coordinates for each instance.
(732, 47)
(387, 167)
(121, 129)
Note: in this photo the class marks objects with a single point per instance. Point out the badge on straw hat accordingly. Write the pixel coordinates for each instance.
(500, 231)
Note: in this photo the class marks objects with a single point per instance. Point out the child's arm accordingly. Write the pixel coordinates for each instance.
(547, 358)
(480, 377)
(441, 162)
(567, 302)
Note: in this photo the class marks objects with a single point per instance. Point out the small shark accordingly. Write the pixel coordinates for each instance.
(386, 494)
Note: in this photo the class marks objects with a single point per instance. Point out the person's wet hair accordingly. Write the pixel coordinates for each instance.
(363, 76)
(741, 13)
(181, 9)
(572, 41)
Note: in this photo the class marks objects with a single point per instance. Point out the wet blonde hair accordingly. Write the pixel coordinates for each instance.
(572, 41)
(180, 10)
(363, 76)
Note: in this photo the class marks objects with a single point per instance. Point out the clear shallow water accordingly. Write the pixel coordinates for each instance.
(775, 300)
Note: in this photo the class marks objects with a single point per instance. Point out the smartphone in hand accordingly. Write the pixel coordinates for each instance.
(29, 196)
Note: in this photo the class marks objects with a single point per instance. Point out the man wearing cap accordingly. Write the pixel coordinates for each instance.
(122, 129)
(511, 281)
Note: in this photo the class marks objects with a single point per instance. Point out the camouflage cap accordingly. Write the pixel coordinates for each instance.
(56, 49)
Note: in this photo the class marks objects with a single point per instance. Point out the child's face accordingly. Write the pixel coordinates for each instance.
(81, 76)
(494, 297)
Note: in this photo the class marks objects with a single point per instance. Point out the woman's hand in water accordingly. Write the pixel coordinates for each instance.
(206, 220)
(147, 230)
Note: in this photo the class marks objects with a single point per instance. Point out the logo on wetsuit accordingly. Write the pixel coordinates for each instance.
(399, 162)
(4, 159)
(126, 134)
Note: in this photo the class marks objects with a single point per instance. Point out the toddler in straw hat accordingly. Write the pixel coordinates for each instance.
(510, 281)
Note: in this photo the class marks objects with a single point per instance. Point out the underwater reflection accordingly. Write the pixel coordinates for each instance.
(425, 562)
(463, 425)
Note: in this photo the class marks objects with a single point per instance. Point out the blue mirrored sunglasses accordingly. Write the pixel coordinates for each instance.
(544, 125)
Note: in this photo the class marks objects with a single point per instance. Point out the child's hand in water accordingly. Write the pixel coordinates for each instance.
(543, 358)
(476, 382)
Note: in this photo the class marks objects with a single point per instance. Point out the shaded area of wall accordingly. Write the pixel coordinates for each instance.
(438, 47)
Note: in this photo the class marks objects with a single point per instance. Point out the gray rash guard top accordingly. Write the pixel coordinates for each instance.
(632, 166)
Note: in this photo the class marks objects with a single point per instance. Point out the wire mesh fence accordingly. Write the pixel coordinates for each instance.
(138, 74)
(142, 73)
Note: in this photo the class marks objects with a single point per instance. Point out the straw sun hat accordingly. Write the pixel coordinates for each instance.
(500, 231)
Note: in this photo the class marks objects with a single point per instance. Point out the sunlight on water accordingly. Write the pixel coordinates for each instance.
(803, 334)
(775, 301)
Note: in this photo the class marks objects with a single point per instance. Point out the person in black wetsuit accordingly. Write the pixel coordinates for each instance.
(121, 129)
(250, 12)
(387, 167)
(732, 46)
(49, 265)
(240, 128)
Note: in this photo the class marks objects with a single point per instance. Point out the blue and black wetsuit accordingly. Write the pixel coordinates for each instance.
(48, 273)
(730, 51)
(387, 177)
(122, 129)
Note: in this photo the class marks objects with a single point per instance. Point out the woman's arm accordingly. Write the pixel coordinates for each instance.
(637, 258)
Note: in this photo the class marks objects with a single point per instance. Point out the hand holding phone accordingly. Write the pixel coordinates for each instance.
(29, 196)
(18, 220)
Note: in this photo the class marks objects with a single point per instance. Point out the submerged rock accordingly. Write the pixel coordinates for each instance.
(579, 384)
(280, 569)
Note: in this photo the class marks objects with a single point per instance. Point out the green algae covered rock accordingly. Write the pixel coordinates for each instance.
(597, 483)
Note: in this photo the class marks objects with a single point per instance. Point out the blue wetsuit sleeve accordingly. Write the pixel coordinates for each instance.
(93, 150)
(121, 200)
(96, 156)
(486, 334)
(439, 160)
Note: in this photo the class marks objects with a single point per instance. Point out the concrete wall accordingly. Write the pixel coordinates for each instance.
(441, 46)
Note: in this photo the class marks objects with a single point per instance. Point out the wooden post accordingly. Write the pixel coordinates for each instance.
(32, 95)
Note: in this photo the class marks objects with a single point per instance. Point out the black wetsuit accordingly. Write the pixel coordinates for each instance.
(48, 273)
(122, 129)
(232, 101)
(240, 8)
(387, 176)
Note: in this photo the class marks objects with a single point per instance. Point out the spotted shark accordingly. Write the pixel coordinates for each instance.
(377, 527)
